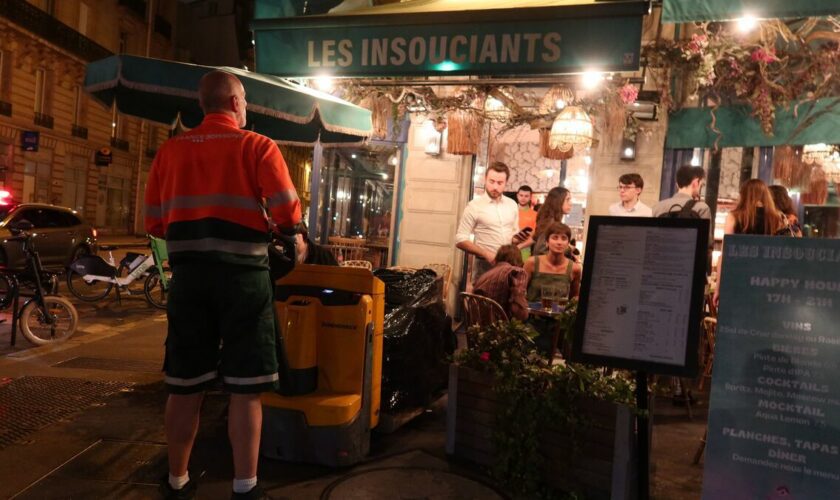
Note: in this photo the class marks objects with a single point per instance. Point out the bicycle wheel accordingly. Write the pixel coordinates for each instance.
(7, 290)
(63, 320)
(154, 289)
(88, 291)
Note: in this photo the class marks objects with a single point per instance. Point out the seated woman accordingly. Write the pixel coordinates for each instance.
(505, 282)
(553, 269)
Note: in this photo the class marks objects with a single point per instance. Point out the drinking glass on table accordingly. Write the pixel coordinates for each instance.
(549, 295)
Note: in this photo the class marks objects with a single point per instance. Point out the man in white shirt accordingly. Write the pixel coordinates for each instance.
(492, 217)
(629, 190)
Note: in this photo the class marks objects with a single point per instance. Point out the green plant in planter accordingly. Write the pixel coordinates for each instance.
(532, 396)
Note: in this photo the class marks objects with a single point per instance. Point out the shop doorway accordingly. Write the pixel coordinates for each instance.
(75, 183)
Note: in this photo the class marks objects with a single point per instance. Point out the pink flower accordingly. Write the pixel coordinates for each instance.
(485, 356)
(762, 55)
(628, 93)
(697, 43)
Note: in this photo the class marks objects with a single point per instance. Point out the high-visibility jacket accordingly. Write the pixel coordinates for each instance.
(207, 189)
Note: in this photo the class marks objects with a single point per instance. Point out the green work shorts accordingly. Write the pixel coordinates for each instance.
(221, 324)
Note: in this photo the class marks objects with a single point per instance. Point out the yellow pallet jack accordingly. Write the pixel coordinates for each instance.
(331, 322)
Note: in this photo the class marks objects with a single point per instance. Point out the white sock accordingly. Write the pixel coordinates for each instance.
(244, 485)
(179, 482)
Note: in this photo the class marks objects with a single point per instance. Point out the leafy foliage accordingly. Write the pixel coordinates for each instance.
(787, 61)
(533, 394)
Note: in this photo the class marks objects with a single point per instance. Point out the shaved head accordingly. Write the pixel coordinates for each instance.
(222, 92)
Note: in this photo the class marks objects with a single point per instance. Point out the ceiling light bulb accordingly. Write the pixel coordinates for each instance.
(560, 104)
(353, 156)
(591, 79)
(385, 176)
(324, 83)
(747, 23)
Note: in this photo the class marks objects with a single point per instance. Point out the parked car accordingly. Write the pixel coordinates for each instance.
(60, 235)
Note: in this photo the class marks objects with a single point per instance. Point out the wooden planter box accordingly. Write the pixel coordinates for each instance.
(601, 467)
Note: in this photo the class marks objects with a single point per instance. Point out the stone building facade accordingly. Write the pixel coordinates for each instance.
(44, 48)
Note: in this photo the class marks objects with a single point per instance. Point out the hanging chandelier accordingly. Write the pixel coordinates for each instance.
(571, 129)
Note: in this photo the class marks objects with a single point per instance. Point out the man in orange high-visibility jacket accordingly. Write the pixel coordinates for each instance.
(206, 193)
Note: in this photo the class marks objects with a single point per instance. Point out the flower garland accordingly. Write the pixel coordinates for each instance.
(522, 107)
(787, 62)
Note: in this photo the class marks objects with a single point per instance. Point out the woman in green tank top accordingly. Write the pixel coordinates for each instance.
(554, 268)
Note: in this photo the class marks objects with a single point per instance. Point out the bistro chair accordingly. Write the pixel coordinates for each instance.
(364, 264)
(443, 271)
(479, 310)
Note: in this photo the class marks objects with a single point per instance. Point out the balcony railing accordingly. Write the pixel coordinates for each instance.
(117, 143)
(43, 120)
(5, 108)
(136, 6)
(40, 23)
(163, 27)
(79, 131)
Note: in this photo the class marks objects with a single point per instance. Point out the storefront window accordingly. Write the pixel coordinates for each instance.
(356, 196)
(812, 175)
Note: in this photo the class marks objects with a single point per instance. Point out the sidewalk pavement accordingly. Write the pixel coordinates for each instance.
(86, 420)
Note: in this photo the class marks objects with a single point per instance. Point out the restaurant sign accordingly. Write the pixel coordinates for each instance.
(489, 43)
(774, 414)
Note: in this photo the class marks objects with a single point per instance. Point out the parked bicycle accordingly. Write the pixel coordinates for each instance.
(44, 318)
(90, 278)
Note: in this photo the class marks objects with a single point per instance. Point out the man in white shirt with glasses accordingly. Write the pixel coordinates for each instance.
(492, 218)
(629, 191)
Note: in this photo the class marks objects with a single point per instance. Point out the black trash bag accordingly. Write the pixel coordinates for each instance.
(418, 339)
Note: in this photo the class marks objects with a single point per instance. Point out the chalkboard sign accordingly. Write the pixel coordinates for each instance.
(642, 292)
(774, 414)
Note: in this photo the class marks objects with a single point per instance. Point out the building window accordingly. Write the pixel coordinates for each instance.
(41, 91)
(77, 104)
(123, 48)
(83, 18)
(5, 75)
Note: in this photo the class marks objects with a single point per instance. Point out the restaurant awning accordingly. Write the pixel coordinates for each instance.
(451, 37)
(681, 11)
(161, 91)
(811, 122)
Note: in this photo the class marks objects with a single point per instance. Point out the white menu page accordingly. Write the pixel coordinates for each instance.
(640, 294)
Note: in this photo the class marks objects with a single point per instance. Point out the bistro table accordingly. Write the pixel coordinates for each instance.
(535, 309)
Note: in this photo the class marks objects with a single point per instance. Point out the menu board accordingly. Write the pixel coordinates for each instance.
(642, 294)
(774, 416)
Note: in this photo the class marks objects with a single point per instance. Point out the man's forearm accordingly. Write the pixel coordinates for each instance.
(472, 248)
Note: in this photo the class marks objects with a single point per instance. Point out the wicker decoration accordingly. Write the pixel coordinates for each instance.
(381, 109)
(558, 92)
(465, 129)
(552, 154)
(789, 167)
(571, 129)
(495, 109)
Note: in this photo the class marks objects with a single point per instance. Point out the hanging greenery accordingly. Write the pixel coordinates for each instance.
(783, 63)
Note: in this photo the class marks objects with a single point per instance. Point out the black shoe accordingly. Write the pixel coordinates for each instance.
(186, 493)
(256, 493)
